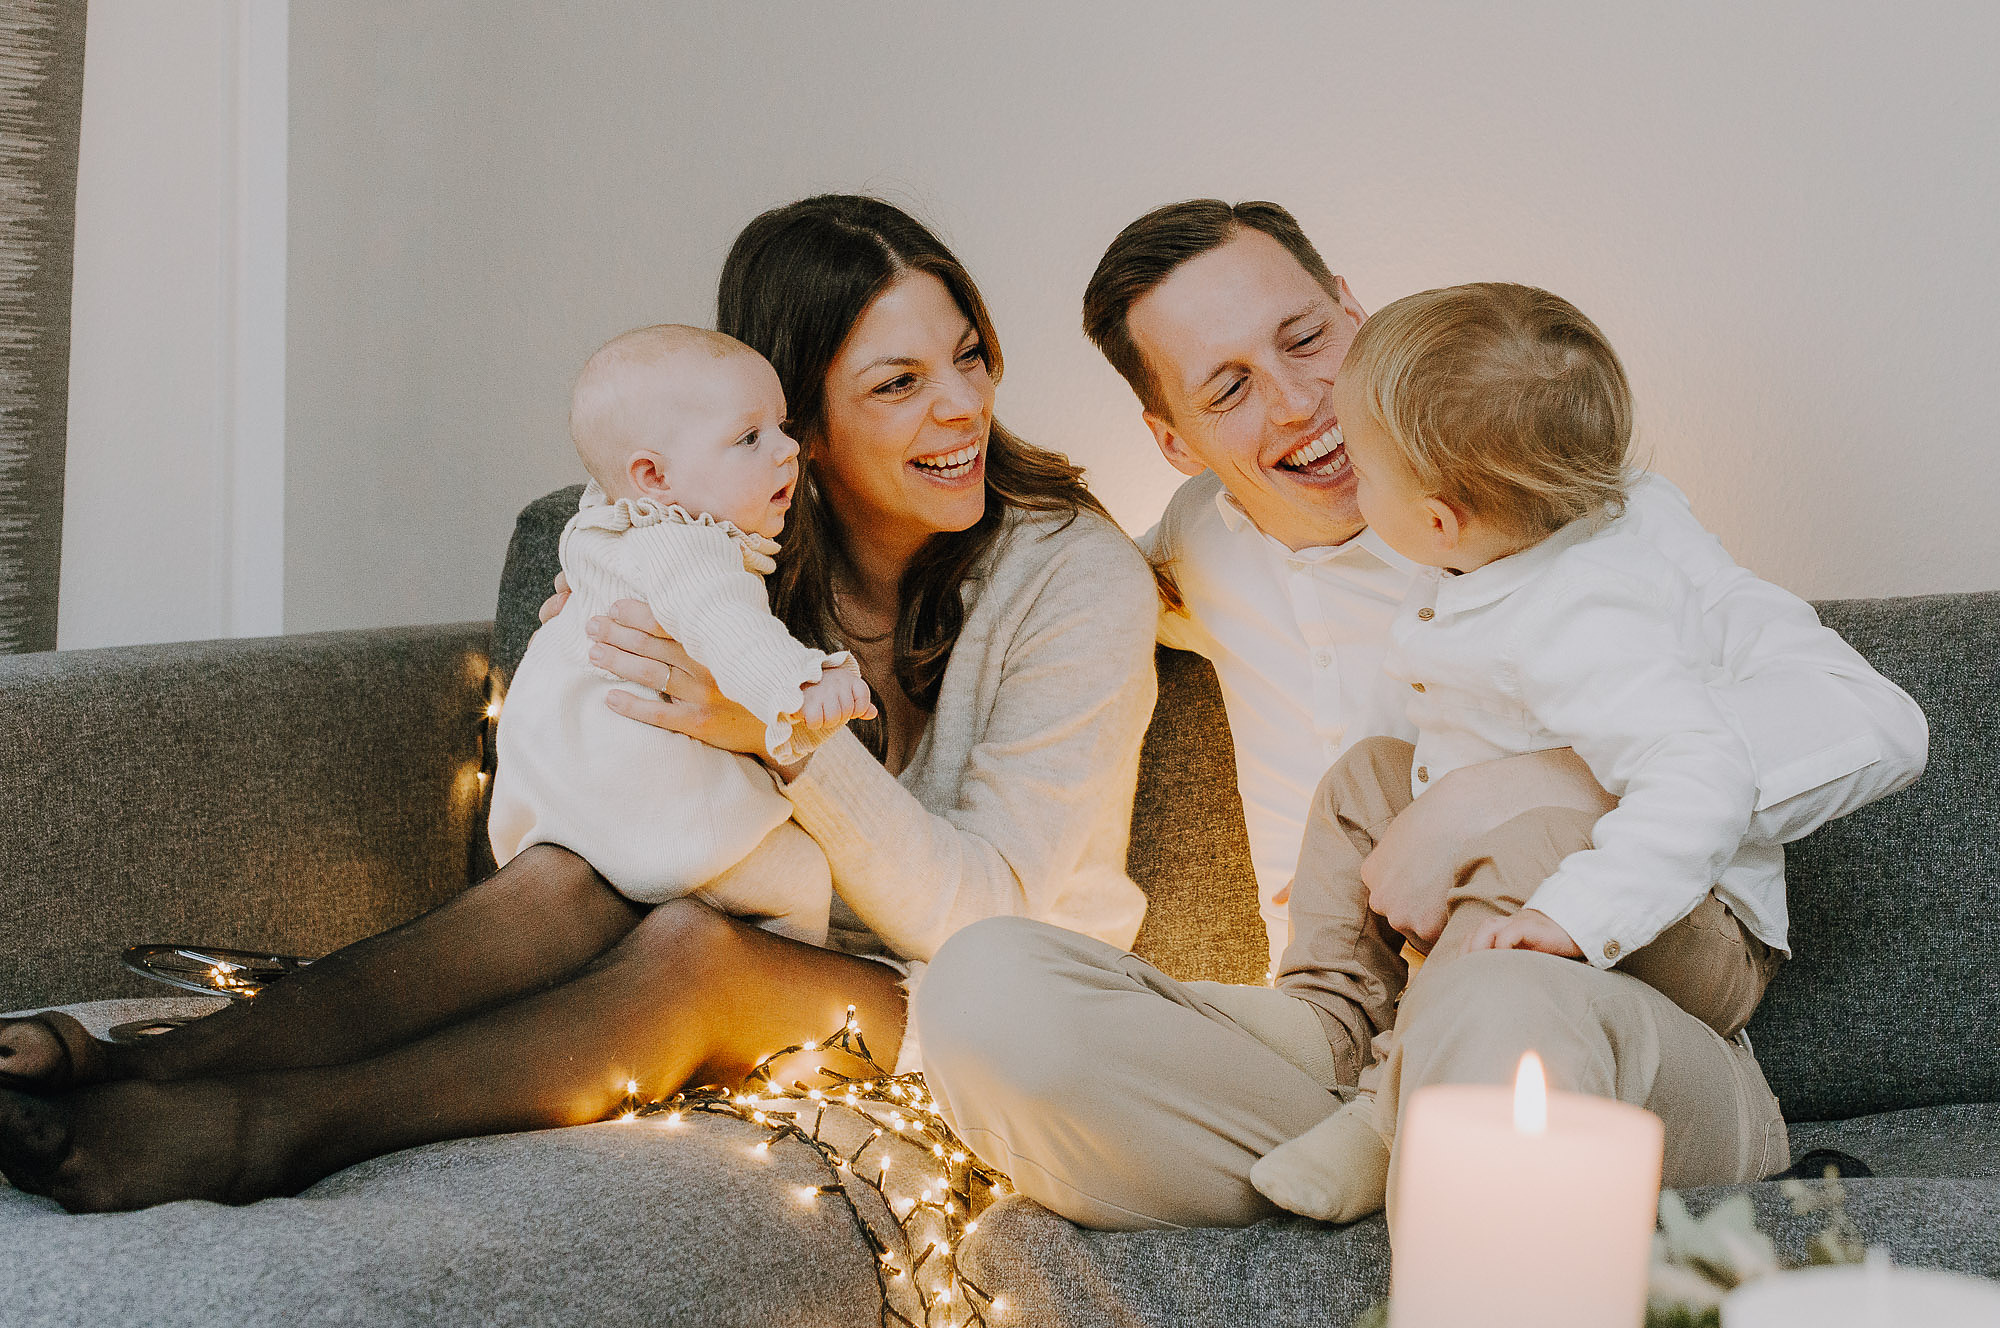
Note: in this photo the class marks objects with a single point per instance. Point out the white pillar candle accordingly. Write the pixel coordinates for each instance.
(1516, 1207)
(1872, 1296)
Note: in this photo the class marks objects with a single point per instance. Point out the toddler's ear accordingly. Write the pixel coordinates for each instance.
(648, 473)
(1446, 527)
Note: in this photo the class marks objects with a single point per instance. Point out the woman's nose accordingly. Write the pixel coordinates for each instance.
(957, 399)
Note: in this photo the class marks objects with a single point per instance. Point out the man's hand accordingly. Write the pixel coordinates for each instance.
(837, 697)
(1530, 929)
(1415, 863)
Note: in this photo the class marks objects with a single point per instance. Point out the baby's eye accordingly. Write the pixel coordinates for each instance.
(748, 439)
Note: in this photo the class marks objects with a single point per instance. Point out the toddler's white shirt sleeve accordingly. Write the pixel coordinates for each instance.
(1603, 660)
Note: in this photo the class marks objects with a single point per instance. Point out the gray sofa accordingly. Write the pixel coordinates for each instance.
(297, 793)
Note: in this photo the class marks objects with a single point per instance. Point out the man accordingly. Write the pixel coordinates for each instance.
(1124, 1099)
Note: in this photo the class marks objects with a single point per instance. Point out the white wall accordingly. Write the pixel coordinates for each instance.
(174, 490)
(1782, 216)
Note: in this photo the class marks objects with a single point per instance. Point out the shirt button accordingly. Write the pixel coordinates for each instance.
(1423, 774)
(1416, 687)
(1322, 658)
(1612, 950)
(1425, 615)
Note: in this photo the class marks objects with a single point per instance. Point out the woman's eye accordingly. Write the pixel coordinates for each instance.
(973, 354)
(900, 383)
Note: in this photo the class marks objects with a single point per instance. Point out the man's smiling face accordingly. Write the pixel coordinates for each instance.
(1245, 346)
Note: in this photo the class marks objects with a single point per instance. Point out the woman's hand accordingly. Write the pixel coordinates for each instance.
(553, 604)
(1412, 868)
(686, 700)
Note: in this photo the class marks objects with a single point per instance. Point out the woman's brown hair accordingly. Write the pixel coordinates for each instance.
(795, 283)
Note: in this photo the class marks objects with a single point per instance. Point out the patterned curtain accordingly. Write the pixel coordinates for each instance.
(41, 110)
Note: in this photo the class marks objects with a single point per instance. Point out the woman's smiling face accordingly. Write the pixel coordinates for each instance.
(909, 407)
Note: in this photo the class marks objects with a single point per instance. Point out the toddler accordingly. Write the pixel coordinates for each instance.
(682, 433)
(1488, 427)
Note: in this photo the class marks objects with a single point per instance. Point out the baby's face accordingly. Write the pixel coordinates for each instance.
(718, 428)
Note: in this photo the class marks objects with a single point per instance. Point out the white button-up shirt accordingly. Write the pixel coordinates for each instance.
(1297, 640)
(1825, 733)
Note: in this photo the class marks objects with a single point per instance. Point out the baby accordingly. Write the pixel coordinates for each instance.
(1488, 427)
(682, 433)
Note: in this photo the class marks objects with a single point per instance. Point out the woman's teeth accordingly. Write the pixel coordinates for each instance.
(952, 465)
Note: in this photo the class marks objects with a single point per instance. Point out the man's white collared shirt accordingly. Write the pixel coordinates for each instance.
(1297, 639)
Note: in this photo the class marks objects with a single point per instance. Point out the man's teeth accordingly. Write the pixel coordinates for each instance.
(1303, 456)
(951, 465)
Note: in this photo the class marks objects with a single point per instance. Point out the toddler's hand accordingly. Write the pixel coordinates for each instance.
(837, 697)
(1530, 929)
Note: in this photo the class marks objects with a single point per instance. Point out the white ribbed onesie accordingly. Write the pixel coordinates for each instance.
(658, 814)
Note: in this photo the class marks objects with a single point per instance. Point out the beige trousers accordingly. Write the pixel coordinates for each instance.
(1124, 1099)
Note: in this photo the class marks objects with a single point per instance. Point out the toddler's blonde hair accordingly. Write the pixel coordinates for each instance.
(1505, 400)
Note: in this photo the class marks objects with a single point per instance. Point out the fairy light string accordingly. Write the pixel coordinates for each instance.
(952, 1188)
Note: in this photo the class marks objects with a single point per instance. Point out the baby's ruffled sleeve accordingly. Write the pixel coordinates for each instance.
(697, 586)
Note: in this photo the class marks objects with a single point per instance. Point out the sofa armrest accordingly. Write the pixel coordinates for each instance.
(288, 794)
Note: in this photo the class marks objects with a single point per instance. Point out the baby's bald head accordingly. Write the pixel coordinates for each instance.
(630, 393)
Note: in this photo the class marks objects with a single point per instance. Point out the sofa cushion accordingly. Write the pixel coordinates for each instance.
(1892, 1000)
(1294, 1271)
(292, 794)
(623, 1223)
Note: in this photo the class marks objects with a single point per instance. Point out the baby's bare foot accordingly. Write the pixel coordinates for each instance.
(1338, 1171)
(135, 1144)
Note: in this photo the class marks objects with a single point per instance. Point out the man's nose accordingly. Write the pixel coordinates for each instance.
(1294, 397)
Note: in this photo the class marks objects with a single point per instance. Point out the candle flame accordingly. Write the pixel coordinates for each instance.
(1531, 1096)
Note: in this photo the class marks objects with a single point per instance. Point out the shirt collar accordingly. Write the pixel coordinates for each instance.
(1503, 576)
(1367, 544)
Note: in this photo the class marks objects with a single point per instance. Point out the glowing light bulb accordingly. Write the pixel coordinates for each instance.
(1531, 1096)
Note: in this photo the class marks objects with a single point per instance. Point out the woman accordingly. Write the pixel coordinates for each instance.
(1005, 627)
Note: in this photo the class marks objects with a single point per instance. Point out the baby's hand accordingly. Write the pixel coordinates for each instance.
(837, 697)
(1530, 929)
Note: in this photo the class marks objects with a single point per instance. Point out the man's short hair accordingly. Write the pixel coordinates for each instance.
(1505, 401)
(1146, 254)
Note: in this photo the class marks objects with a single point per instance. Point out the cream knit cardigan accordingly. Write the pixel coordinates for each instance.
(1018, 798)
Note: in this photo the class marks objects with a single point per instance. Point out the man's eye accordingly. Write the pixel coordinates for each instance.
(1309, 340)
(1227, 396)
